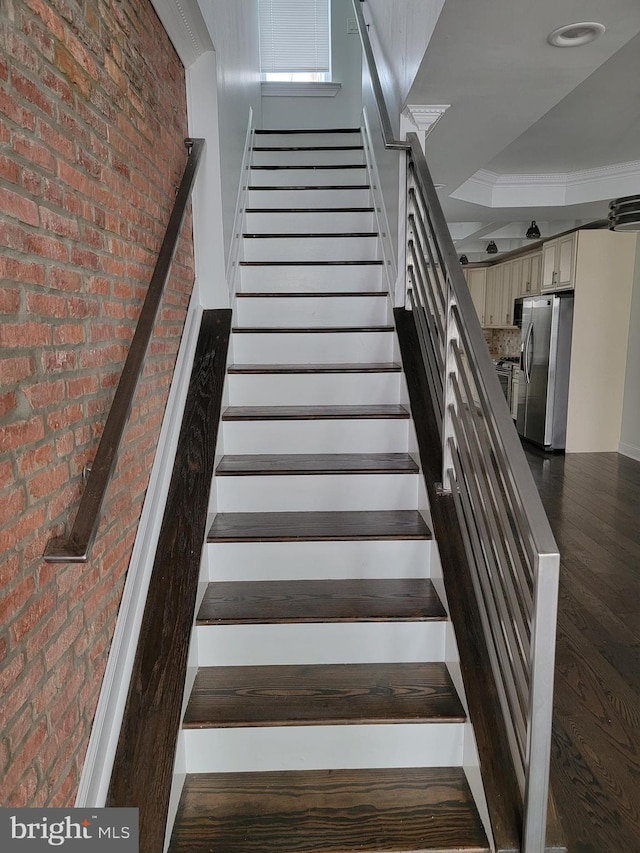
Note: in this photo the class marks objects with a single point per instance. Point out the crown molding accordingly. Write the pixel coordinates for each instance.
(425, 116)
(185, 26)
(557, 189)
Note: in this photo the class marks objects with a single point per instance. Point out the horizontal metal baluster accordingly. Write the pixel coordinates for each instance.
(475, 554)
(426, 293)
(429, 354)
(496, 577)
(521, 595)
(427, 240)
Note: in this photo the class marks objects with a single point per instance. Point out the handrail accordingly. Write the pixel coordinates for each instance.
(75, 547)
(381, 106)
(511, 552)
(510, 548)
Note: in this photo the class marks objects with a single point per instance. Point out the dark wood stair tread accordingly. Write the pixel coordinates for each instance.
(310, 264)
(308, 167)
(309, 210)
(320, 694)
(308, 330)
(278, 188)
(343, 600)
(352, 367)
(318, 526)
(308, 148)
(287, 131)
(316, 463)
(310, 294)
(279, 235)
(297, 413)
(329, 811)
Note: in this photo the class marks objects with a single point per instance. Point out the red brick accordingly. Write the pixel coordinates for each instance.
(8, 403)
(68, 334)
(9, 170)
(45, 394)
(17, 435)
(9, 674)
(47, 305)
(67, 280)
(23, 761)
(48, 482)
(34, 153)
(19, 207)
(54, 361)
(27, 273)
(47, 247)
(33, 459)
(64, 642)
(34, 614)
(65, 417)
(61, 225)
(14, 111)
(31, 93)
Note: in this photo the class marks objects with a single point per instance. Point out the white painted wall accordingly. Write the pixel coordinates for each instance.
(630, 432)
(403, 30)
(344, 109)
(233, 27)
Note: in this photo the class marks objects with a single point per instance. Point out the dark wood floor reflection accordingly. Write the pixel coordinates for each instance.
(593, 504)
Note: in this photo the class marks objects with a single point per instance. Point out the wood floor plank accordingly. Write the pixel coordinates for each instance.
(318, 526)
(329, 811)
(316, 463)
(353, 367)
(305, 601)
(318, 695)
(322, 413)
(592, 502)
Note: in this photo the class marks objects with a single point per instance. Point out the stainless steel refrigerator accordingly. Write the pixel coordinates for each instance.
(545, 356)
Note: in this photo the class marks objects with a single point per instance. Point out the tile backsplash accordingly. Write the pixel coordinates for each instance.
(503, 343)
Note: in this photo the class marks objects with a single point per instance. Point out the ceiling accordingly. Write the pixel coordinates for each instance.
(531, 131)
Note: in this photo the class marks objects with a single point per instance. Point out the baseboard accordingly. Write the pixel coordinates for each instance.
(629, 450)
(96, 772)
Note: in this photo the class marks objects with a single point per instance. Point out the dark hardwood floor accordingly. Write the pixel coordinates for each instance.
(593, 504)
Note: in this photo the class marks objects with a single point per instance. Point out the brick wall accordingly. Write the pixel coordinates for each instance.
(93, 117)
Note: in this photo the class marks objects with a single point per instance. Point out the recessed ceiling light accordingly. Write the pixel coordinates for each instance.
(573, 35)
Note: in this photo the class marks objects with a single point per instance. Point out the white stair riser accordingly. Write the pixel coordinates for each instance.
(309, 222)
(311, 157)
(280, 198)
(365, 642)
(312, 347)
(315, 492)
(321, 137)
(322, 389)
(375, 435)
(308, 177)
(324, 747)
(249, 561)
(312, 279)
(313, 311)
(311, 249)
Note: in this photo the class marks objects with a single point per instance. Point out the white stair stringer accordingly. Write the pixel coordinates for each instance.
(353, 335)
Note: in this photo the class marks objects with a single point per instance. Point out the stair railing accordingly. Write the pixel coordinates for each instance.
(512, 554)
(75, 547)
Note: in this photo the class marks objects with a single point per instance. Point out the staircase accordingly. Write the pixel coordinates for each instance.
(323, 715)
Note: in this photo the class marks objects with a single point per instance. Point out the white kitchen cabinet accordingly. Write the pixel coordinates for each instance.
(604, 273)
(493, 309)
(558, 263)
(477, 283)
(530, 279)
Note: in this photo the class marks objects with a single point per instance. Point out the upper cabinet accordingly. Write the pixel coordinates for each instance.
(558, 263)
(477, 282)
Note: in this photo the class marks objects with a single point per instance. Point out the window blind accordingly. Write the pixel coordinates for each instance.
(294, 36)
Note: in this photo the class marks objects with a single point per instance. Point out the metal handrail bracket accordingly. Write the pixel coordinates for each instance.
(75, 547)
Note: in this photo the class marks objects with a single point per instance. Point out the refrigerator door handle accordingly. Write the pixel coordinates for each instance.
(528, 354)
